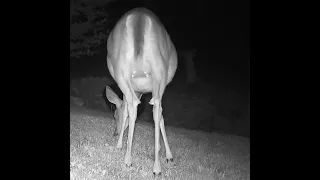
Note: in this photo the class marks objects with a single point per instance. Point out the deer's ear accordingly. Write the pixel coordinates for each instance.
(112, 97)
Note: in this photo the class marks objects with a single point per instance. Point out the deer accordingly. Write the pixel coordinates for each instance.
(141, 59)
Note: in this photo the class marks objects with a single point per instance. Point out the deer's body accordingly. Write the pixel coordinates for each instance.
(141, 58)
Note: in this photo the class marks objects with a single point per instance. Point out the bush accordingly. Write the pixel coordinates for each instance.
(90, 90)
(186, 110)
(88, 22)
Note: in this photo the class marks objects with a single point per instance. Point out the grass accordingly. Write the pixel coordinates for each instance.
(197, 155)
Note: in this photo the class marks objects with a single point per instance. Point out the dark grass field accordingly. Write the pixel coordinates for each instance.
(197, 155)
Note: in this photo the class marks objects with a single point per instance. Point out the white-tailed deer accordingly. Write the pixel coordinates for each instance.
(141, 58)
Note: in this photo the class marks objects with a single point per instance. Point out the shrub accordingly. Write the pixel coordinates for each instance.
(87, 26)
(90, 89)
(186, 110)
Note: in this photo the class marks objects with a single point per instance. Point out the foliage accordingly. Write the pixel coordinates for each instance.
(90, 90)
(187, 110)
(88, 31)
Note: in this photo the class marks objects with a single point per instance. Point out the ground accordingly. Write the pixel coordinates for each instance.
(197, 155)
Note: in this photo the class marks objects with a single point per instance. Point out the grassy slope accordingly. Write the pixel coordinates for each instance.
(197, 155)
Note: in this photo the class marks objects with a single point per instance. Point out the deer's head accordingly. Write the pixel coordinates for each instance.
(120, 111)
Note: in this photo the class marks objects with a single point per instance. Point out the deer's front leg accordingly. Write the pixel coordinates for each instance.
(157, 112)
(124, 114)
(132, 110)
(123, 120)
(162, 128)
(165, 139)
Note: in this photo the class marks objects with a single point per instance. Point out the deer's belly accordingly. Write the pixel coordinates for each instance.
(141, 82)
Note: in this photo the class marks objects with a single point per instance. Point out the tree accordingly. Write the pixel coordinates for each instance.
(88, 29)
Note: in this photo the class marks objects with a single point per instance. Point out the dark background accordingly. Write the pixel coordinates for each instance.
(219, 30)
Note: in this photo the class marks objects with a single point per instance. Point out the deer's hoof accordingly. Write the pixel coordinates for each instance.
(169, 160)
(156, 174)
